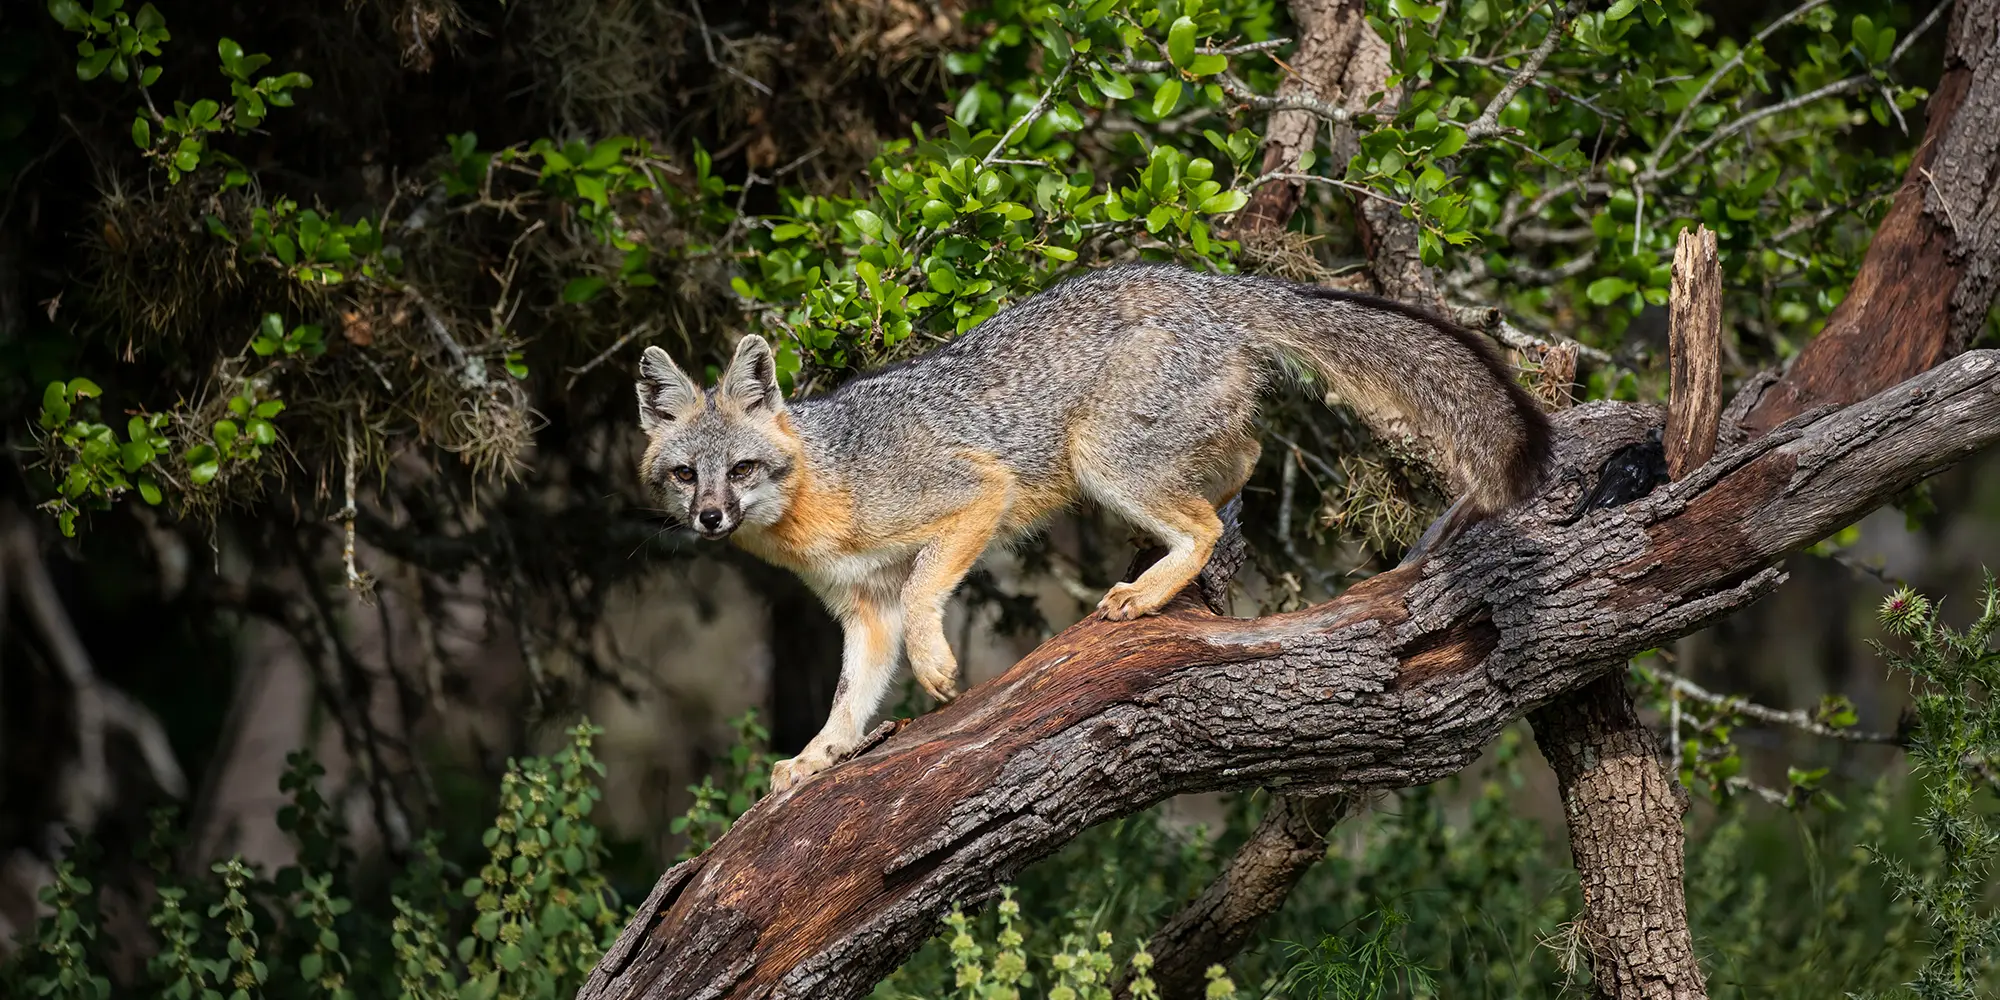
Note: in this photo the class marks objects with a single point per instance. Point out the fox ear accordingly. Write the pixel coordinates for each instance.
(664, 390)
(752, 378)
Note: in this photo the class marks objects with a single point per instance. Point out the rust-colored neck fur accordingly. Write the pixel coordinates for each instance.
(819, 512)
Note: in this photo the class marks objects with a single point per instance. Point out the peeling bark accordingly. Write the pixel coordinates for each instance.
(1401, 681)
(1934, 265)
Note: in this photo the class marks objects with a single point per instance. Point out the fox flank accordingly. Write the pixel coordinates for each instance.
(1132, 386)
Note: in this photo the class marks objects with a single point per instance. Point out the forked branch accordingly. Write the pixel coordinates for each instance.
(1401, 681)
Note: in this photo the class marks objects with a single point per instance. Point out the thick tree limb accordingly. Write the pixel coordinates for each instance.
(1401, 681)
(1934, 265)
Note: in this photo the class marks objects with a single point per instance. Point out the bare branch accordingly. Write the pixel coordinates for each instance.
(1488, 124)
(1680, 123)
(1795, 718)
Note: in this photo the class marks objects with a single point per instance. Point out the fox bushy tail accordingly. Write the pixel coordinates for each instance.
(1392, 362)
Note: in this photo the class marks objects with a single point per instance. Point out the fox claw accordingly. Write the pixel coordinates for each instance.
(1126, 602)
(940, 685)
(792, 772)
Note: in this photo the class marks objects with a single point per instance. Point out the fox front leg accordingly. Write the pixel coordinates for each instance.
(873, 633)
(937, 572)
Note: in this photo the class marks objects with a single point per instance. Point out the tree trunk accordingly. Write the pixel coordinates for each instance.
(1624, 813)
(1401, 681)
(1622, 801)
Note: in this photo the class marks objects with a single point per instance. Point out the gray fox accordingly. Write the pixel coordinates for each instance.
(1133, 386)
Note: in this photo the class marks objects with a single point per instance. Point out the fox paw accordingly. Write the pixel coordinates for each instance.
(1128, 601)
(939, 680)
(788, 774)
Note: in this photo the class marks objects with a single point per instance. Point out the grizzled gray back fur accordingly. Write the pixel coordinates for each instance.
(1161, 364)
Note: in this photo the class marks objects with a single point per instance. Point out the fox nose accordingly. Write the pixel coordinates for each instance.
(711, 520)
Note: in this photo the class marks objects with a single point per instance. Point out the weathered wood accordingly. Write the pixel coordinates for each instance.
(1694, 401)
(1932, 269)
(1401, 681)
(1621, 801)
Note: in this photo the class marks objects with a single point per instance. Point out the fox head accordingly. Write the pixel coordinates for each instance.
(722, 457)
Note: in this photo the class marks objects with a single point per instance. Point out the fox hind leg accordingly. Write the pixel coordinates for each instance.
(1178, 509)
(1188, 527)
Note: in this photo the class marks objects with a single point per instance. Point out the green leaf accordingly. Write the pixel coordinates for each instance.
(1180, 41)
(1605, 291)
(1620, 9)
(142, 132)
(83, 388)
(1224, 202)
(133, 454)
(1056, 253)
(91, 66)
(1166, 98)
(202, 473)
(580, 290)
(149, 490)
(1115, 85)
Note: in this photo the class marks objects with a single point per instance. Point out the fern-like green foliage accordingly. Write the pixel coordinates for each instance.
(1954, 674)
(1359, 962)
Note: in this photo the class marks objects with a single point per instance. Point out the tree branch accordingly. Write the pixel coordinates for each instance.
(1488, 124)
(1400, 681)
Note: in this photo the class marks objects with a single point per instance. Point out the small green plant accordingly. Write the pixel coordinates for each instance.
(543, 910)
(96, 468)
(121, 44)
(715, 807)
(245, 971)
(1955, 675)
(65, 941)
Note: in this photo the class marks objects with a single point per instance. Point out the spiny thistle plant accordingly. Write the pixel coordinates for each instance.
(1954, 674)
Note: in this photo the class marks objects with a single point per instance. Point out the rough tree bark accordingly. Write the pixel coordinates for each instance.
(1340, 60)
(1401, 681)
(1934, 265)
(1624, 811)
(1621, 801)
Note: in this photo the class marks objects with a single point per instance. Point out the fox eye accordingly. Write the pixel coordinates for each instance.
(683, 473)
(743, 468)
